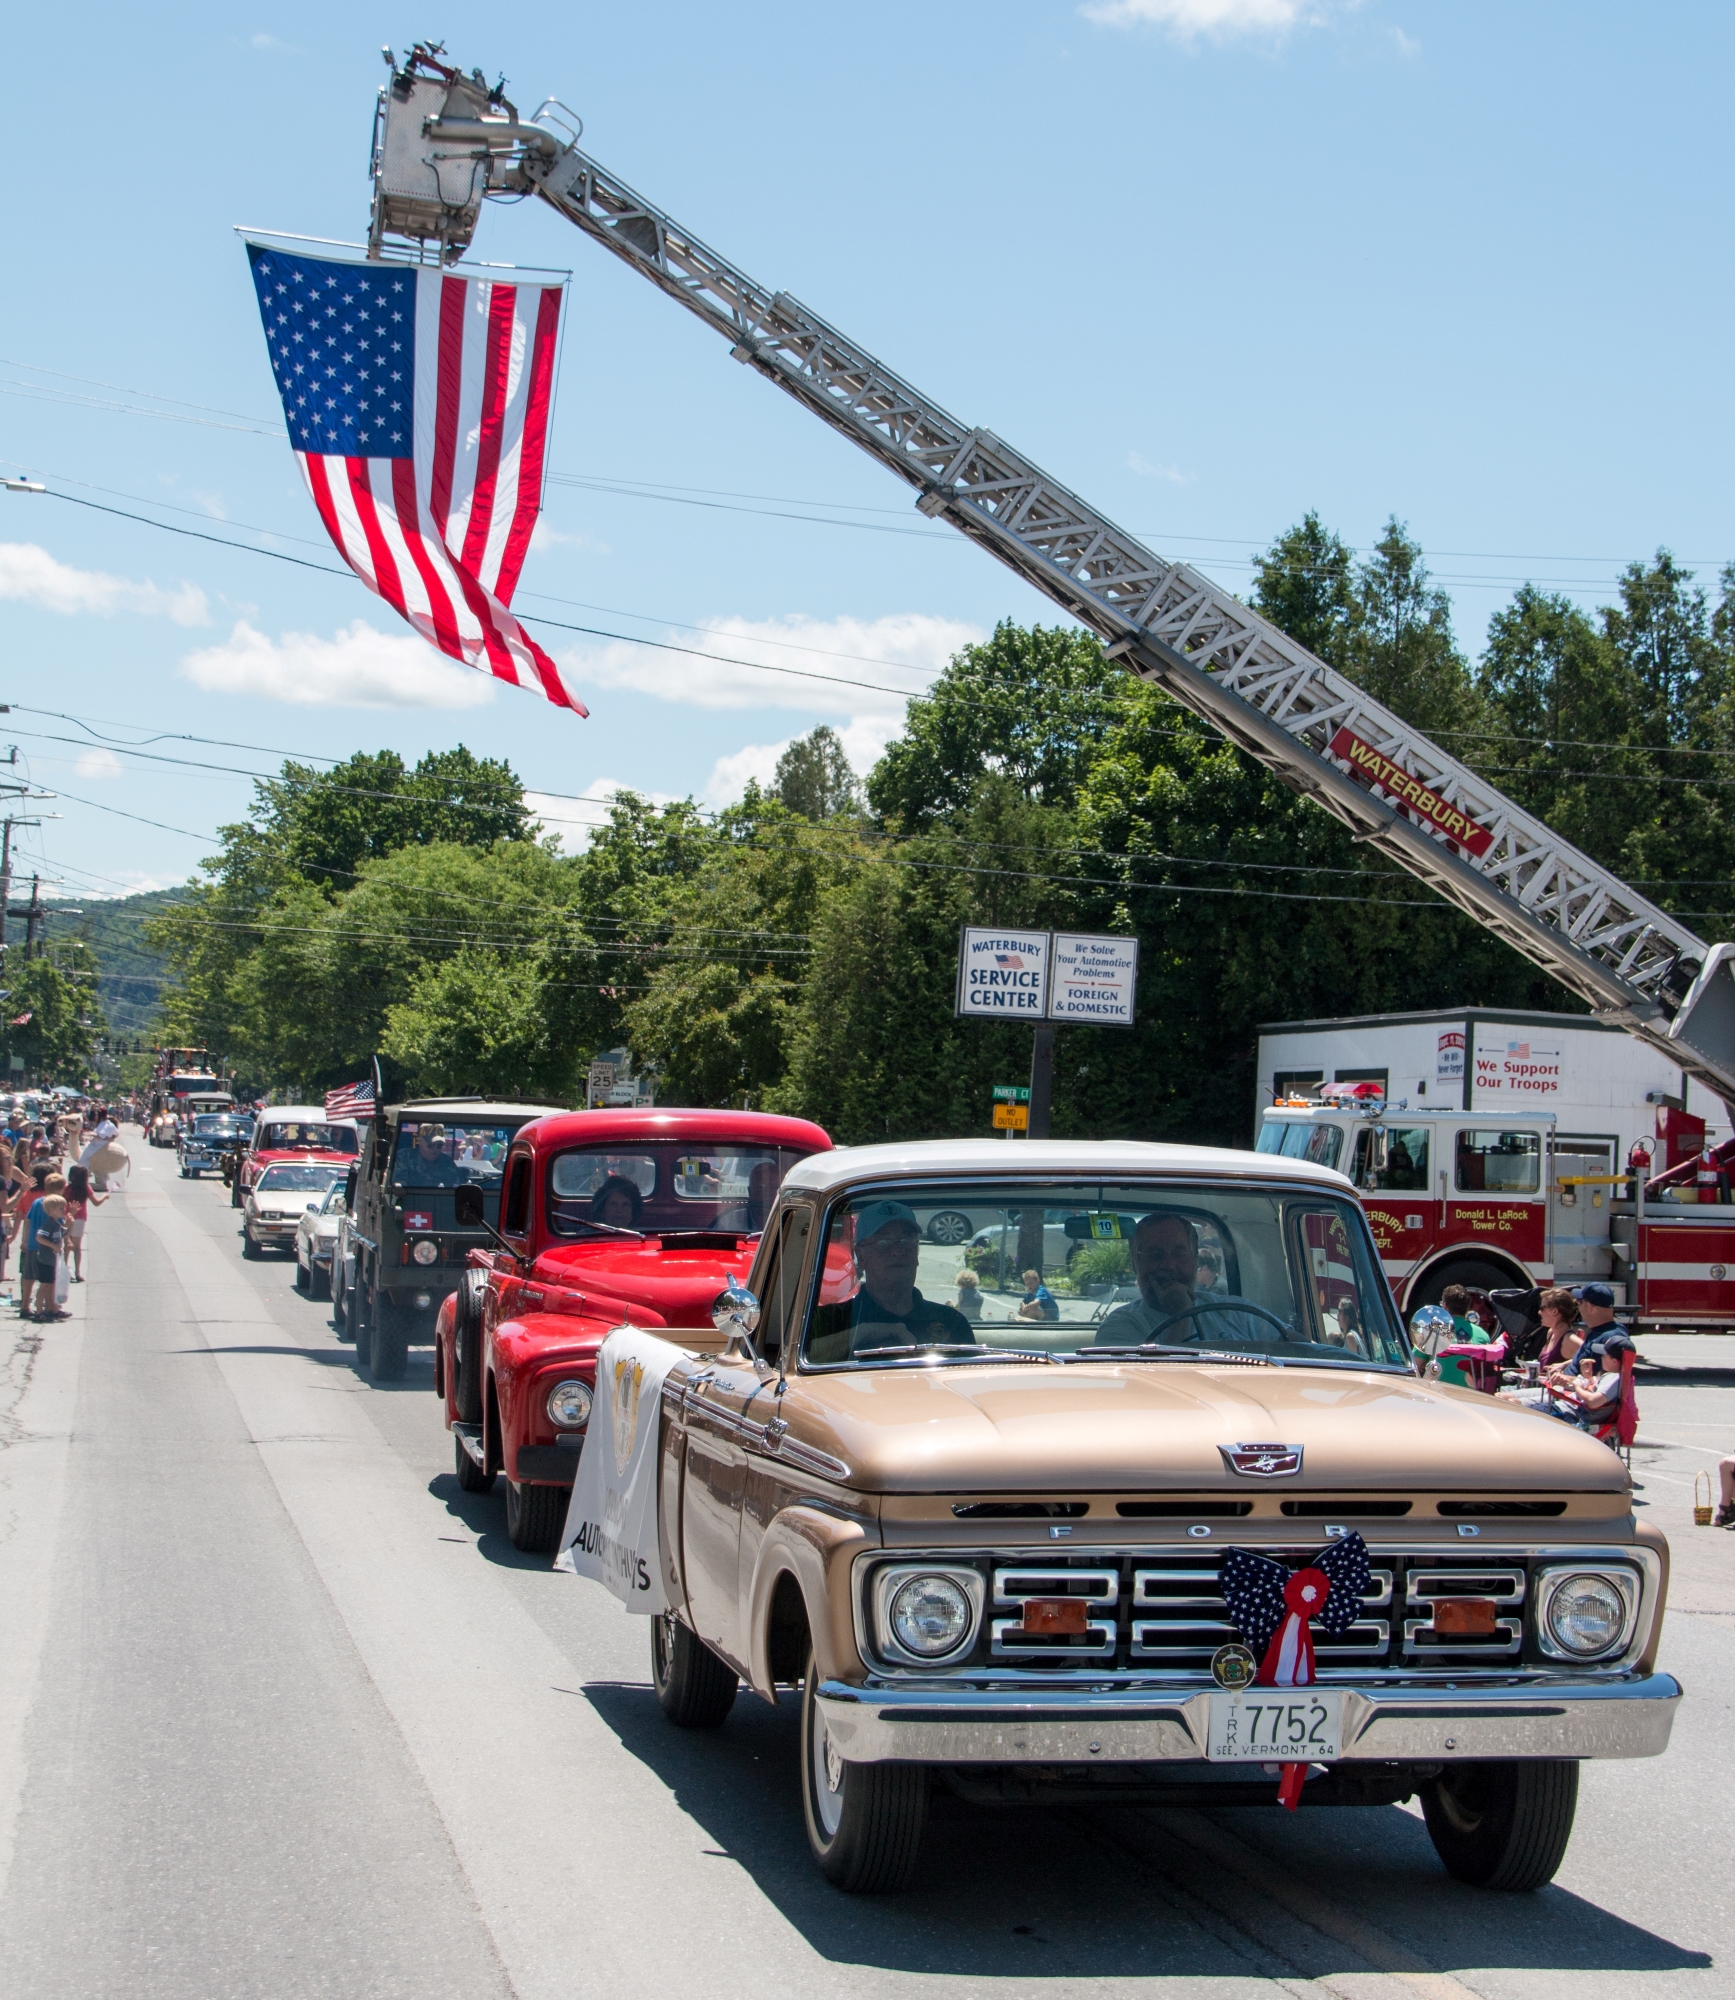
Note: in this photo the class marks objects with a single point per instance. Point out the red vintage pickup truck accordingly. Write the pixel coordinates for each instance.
(637, 1217)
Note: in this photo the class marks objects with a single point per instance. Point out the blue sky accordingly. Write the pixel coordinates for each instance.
(1211, 262)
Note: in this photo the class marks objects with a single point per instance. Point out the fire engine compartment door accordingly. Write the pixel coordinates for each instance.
(1578, 1217)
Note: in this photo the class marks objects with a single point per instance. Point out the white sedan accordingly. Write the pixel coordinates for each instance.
(279, 1198)
(316, 1241)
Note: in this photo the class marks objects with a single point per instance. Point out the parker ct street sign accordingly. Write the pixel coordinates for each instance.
(1003, 975)
(1041, 976)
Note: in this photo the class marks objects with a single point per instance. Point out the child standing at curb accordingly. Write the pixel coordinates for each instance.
(80, 1200)
(44, 1238)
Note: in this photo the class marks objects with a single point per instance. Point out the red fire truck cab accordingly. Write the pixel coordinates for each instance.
(1454, 1197)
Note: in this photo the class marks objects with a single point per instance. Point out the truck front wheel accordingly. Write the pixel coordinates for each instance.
(864, 1821)
(1503, 1826)
(471, 1477)
(697, 1690)
(390, 1339)
(535, 1516)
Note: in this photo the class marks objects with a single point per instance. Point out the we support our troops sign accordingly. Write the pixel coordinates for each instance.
(1375, 769)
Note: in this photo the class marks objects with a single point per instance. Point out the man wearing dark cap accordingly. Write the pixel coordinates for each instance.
(1596, 1308)
(887, 1311)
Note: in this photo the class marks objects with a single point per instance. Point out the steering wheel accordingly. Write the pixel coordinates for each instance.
(1285, 1330)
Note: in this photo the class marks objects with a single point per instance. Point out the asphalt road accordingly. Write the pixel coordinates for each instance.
(283, 1714)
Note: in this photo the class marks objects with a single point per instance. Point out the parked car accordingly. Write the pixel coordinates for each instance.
(279, 1198)
(996, 1566)
(401, 1248)
(634, 1215)
(211, 1138)
(293, 1132)
(316, 1241)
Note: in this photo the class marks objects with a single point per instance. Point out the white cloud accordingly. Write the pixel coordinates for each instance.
(572, 821)
(1147, 469)
(729, 775)
(357, 668)
(98, 764)
(545, 536)
(805, 663)
(1219, 19)
(30, 575)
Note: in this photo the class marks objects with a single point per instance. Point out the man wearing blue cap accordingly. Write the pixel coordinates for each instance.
(1596, 1308)
(887, 1310)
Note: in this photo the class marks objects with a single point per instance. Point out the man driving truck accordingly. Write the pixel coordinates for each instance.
(427, 1161)
(1169, 1308)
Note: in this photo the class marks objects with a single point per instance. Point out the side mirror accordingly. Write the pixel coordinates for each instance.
(313, 1208)
(467, 1205)
(736, 1315)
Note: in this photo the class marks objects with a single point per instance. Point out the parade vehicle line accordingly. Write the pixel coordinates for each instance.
(281, 1712)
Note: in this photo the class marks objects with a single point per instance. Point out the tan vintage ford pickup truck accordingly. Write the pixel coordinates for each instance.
(982, 1522)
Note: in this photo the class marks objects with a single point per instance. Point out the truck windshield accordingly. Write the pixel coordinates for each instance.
(438, 1153)
(664, 1185)
(287, 1178)
(1301, 1139)
(291, 1136)
(1168, 1270)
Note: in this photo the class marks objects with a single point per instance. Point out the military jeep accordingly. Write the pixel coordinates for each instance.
(400, 1249)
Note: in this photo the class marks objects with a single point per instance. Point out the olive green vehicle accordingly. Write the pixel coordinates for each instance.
(399, 1249)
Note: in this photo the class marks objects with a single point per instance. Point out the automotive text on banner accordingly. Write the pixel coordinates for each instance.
(611, 1523)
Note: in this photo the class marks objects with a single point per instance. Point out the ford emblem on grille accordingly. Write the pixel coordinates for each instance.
(1262, 1461)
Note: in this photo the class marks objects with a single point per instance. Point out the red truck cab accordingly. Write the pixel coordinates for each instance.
(294, 1132)
(613, 1217)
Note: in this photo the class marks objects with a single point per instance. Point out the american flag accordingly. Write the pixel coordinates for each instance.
(1519, 1049)
(417, 405)
(350, 1100)
(1010, 959)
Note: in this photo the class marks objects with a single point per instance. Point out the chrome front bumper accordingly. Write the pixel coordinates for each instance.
(880, 1724)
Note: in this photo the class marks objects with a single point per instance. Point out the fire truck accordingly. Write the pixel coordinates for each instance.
(445, 142)
(1499, 1148)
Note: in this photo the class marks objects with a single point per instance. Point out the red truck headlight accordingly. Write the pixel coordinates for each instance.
(568, 1405)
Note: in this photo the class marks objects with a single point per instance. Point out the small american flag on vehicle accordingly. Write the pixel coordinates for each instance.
(417, 405)
(350, 1100)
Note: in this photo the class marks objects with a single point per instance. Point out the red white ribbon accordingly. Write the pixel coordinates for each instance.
(1289, 1658)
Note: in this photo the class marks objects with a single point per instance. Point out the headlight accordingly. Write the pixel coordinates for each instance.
(426, 1252)
(569, 1405)
(1585, 1615)
(930, 1616)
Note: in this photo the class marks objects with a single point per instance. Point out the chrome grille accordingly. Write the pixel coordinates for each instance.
(1163, 1615)
(1503, 1583)
(1100, 1588)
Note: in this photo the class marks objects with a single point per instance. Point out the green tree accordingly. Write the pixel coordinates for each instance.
(1400, 647)
(814, 777)
(1305, 584)
(1031, 706)
(52, 1018)
(479, 1025)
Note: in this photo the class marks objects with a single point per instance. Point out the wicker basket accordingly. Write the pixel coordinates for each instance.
(1702, 1506)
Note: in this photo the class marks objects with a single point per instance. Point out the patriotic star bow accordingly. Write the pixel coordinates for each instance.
(1277, 1608)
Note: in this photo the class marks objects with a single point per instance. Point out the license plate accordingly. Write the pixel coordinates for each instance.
(1276, 1726)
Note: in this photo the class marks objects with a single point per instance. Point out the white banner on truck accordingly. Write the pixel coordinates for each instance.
(611, 1523)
